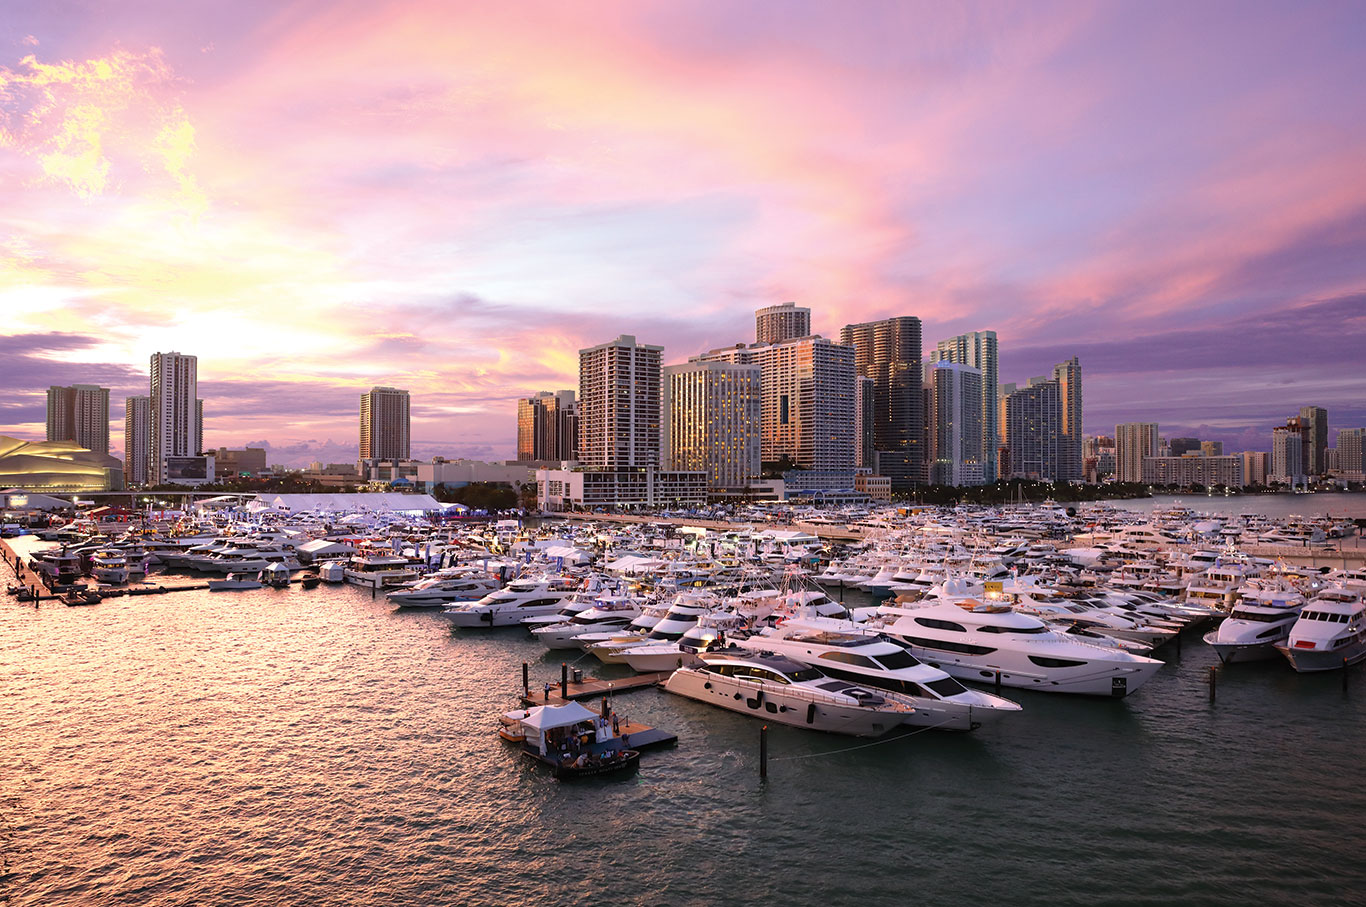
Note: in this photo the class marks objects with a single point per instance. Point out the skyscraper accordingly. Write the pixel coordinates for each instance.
(776, 323)
(711, 421)
(1133, 442)
(1314, 420)
(979, 350)
(137, 440)
(1068, 376)
(619, 398)
(1288, 448)
(888, 351)
(548, 427)
(385, 424)
(177, 420)
(954, 442)
(1352, 453)
(1034, 429)
(79, 413)
(863, 423)
(806, 400)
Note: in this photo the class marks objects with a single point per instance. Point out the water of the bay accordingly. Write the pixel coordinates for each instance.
(1338, 505)
(282, 747)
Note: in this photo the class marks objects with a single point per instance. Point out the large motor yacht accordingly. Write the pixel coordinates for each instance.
(442, 588)
(1260, 621)
(779, 689)
(507, 607)
(980, 642)
(604, 613)
(1330, 632)
(940, 701)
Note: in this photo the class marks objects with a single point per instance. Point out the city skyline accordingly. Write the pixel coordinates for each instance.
(451, 201)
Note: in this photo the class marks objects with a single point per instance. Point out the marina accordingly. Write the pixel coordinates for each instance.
(346, 674)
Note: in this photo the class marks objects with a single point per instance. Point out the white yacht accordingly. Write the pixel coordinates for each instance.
(440, 589)
(687, 609)
(1330, 632)
(781, 690)
(975, 641)
(108, 565)
(507, 607)
(666, 654)
(1259, 622)
(377, 571)
(606, 613)
(939, 700)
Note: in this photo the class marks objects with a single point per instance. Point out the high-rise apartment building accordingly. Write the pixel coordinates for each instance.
(864, 418)
(1133, 442)
(176, 412)
(711, 421)
(777, 323)
(1034, 429)
(979, 350)
(806, 400)
(954, 440)
(1287, 454)
(619, 398)
(888, 351)
(1255, 467)
(79, 413)
(137, 440)
(548, 427)
(1351, 448)
(385, 424)
(1314, 422)
(1068, 376)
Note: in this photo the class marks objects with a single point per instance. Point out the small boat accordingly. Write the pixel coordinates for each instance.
(570, 740)
(310, 580)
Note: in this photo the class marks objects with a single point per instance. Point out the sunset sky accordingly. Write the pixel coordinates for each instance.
(453, 198)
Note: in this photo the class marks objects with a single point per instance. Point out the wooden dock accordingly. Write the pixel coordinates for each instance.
(41, 591)
(637, 736)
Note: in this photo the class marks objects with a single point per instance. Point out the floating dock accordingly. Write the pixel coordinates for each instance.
(637, 736)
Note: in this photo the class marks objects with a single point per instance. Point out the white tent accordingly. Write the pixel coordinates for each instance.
(380, 502)
(548, 717)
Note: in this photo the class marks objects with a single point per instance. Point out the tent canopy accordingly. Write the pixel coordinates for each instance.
(545, 717)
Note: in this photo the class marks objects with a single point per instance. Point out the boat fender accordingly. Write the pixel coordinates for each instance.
(707, 685)
(811, 713)
(487, 615)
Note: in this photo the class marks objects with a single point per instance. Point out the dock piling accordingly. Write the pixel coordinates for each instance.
(763, 752)
(1213, 681)
(564, 679)
(998, 683)
(1178, 645)
(1344, 673)
(526, 680)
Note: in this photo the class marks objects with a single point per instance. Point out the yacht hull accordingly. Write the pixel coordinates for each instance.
(780, 707)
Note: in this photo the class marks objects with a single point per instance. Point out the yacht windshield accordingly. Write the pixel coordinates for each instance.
(1264, 618)
(894, 661)
(946, 686)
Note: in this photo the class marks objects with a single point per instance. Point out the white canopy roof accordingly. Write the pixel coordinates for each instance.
(544, 717)
(326, 546)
